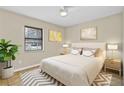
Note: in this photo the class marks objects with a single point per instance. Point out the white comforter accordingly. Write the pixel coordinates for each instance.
(73, 69)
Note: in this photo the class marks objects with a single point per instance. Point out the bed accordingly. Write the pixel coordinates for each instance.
(75, 70)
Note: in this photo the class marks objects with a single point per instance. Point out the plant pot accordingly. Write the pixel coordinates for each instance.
(1, 67)
(7, 72)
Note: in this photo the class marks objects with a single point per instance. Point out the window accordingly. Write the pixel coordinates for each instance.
(33, 38)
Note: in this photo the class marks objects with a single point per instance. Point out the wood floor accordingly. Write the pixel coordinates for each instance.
(15, 80)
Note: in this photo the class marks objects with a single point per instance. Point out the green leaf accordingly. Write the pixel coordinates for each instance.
(13, 57)
(7, 58)
(7, 42)
(2, 41)
(1, 55)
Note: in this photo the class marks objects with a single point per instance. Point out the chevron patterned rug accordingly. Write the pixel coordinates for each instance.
(35, 78)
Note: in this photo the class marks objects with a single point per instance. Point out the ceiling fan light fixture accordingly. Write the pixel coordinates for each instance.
(63, 12)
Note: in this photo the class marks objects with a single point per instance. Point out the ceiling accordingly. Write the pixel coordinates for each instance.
(76, 15)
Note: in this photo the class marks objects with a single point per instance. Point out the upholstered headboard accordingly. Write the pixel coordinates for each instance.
(101, 45)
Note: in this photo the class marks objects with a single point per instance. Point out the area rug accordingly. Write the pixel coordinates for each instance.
(102, 79)
(38, 78)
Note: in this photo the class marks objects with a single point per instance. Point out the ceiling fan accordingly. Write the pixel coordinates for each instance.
(65, 9)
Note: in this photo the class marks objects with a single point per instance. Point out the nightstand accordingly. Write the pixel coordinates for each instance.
(114, 64)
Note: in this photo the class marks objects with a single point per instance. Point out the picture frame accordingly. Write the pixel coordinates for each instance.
(55, 36)
(88, 33)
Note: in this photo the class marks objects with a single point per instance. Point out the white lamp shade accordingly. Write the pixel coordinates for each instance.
(112, 46)
(65, 45)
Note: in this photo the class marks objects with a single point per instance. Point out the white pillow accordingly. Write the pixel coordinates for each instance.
(75, 52)
(88, 52)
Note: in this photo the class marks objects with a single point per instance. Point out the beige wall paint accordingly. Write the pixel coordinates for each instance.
(12, 28)
(109, 29)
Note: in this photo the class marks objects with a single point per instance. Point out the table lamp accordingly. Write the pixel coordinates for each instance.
(65, 46)
(112, 47)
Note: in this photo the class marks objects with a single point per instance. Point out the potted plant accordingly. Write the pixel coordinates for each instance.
(7, 53)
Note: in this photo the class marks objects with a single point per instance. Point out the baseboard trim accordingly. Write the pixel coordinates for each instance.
(24, 68)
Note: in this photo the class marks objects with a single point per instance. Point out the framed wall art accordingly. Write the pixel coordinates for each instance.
(55, 36)
(88, 33)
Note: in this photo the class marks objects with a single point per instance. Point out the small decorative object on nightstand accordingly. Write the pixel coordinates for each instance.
(114, 64)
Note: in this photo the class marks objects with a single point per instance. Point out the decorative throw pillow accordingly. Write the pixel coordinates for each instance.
(88, 52)
(75, 51)
(81, 51)
(98, 53)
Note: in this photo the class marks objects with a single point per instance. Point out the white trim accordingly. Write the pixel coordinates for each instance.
(20, 69)
(43, 40)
